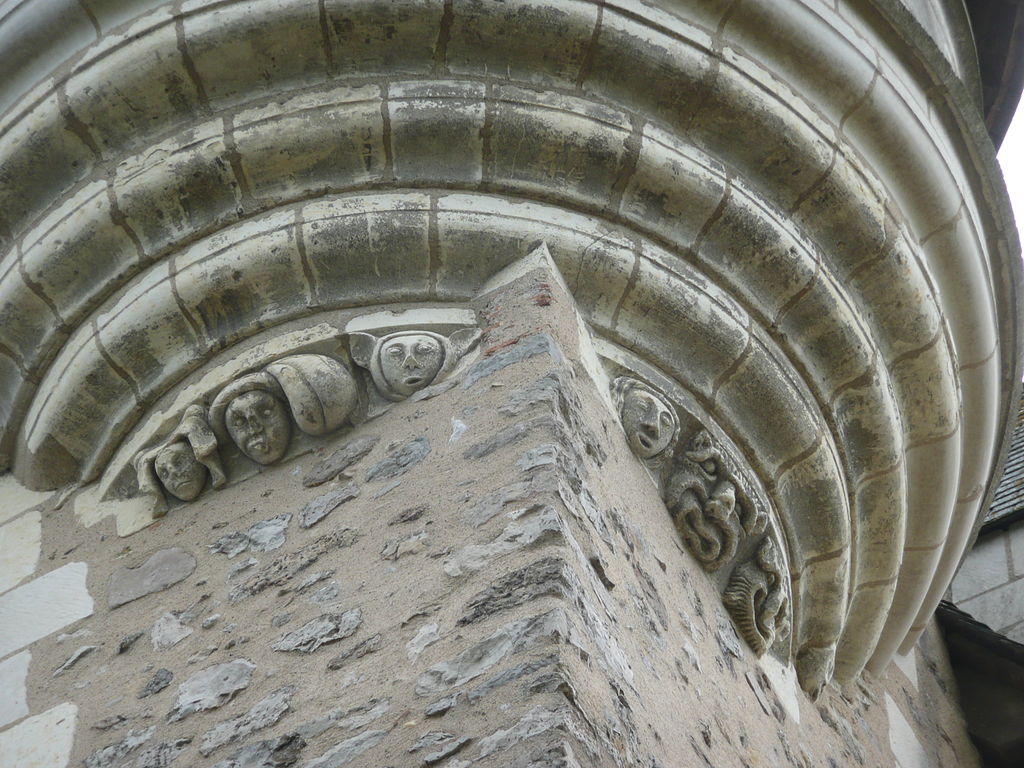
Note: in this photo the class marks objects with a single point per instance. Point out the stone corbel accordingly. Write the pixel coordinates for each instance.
(724, 524)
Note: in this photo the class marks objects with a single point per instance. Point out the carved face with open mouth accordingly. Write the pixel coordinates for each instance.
(258, 424)
(179, 471)
(410, 362)
(649, 422)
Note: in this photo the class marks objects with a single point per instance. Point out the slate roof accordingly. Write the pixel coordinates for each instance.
(1009, 496)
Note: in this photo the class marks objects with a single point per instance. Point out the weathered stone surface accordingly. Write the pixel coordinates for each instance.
(424, 636)
(320, 507)
(540, 578)
(281, 752)
(20, 545)
(327, 628)
(263, 536)
(168, 631)
(476, 660)
(211, 688)
(13, 675)
(286, 566)
(125, 644)
(346, 751)
(348, 455)
(399, 460)
(160, 680)
(510, 675)
(74, 658)
(507, 436)
(536, 721)
(537, 344)
(430, 739)
(395, 548)
(441, 706)
(535, 528)
(109, 756)
(162, 754)
(44, 605)
(363, 648)
(263, 714)
(447, 751)
(160, 570)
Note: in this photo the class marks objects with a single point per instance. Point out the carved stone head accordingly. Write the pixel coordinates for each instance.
(649, 420)
(405, 362)
(259, 425)
(179, 471)
(179, 465)
(410, 361)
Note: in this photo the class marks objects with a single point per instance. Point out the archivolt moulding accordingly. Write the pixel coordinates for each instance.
(851, 272)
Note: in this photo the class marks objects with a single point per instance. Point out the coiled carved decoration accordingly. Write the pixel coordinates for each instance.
(721, 523)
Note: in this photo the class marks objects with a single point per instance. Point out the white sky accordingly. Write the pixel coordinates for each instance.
(1011, 158)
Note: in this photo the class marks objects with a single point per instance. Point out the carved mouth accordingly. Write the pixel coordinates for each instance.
(412, 381)
(256, 445)
(645, 441)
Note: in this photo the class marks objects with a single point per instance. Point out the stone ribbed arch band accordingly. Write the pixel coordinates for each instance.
(801, 244)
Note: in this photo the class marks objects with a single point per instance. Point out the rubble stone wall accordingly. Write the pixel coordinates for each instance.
(483, 575)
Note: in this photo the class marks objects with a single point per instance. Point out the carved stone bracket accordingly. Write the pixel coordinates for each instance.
(722, 521)
(259, 412)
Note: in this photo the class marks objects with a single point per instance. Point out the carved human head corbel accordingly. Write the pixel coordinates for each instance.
(649, 420)
(251, 412)
(255, 412)
(180, 464)
(405, 362)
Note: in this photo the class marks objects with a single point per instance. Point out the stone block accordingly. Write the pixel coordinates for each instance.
(93, 401)
(16, 498)
(674, 189)
(338, 235)
(148, 333)
(998, 608)
(437, 131)
(331, 139)
(903, 740)
(134, 91)
(160, 570)
(1016, 537)
(43, 741)
(13, 676)
(179, 187)
(243, 50)
(985, 567)
(60, 28)
(556, 145)
(1015, 633)
(547, 46)
(19, 549)
(78, 251)
(260, 282)
(382, 37)
(39, 156)
(26, 321)
(51, 602)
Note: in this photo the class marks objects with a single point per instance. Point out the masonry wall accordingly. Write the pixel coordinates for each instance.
(484, 575)
(990, 583)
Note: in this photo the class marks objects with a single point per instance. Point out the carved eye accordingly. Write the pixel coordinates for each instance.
(266, 413)
(237, 420)
(710, 466)
(395, 350)
(423, 348)
(666, 418)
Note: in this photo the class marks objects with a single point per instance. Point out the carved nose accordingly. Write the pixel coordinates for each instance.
(410, 362)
